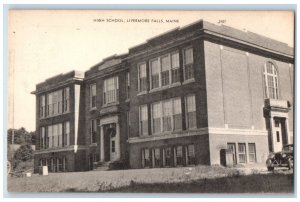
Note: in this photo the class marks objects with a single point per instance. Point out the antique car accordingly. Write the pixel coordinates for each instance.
(284, 158)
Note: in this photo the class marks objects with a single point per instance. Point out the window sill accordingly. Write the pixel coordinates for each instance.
(110, 104)
(45, 117)
(93, 145)
(142, 93)
(93, 109)
(189, 81)
(127, 100)
(175, 84)
(158, 89)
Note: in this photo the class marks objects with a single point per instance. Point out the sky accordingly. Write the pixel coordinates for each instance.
(45, 43)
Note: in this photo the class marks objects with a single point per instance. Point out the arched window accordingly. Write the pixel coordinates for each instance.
(270, 81)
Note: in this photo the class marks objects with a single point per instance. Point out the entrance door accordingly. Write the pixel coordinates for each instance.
(109, 142)
(279, 137)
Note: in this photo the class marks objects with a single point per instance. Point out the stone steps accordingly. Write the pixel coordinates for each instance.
(101, 166)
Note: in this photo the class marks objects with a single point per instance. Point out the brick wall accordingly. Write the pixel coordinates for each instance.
(200, 143)
(235, 89)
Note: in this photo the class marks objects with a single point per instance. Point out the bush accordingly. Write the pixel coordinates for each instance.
(24, 153)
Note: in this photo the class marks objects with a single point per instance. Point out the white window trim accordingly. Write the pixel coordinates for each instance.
(91, 96)
(139, 84)
(161, 121)
(140, 120)
(186, 112)
(159, 74)
(184, 64)
(116, 89)
(170, 68)
(266, 84)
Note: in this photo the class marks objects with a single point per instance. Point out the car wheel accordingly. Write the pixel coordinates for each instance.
(290, 164)
(269, 165)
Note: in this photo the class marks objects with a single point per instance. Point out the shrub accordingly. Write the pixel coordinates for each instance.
(24, 153)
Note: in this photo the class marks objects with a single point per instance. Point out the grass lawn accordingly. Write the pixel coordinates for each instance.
(200, 179)
(256, 183)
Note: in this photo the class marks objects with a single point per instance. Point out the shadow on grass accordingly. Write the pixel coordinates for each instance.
(257, 183)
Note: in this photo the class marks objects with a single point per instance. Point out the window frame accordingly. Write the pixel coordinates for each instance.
(67, 133)
(168, 55)
(139, 77)
(186, 64)
(93, 133)
(92, 96)
(252, 153)
(193, 156)
(159, 73)
(42, 106)
(66, 100)
(115, 90)
(187, 111)
(275, 81)
(127, 85)
(140, 120)
(152, 118)
(240, 153)
(174, 68)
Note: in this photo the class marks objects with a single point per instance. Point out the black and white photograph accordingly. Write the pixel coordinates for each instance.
(151, 101)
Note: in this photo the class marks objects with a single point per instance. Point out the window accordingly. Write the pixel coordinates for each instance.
(252, 152)
(54, 103)
(156, 117)
(113, 146)
(190, 153)
(55, 135)
(57, 102)
(144, 120)
(175, 67)
(277, 123)
(165, 70)
(178, 156)
(127, 85)
(191, 112)
(93, 131)
(66, 99)
(111, 90)
(146, 158)
(59, 164)
(42, 106)
(177, 116)
(43, 162)
(142, 77)
(64, 164)
(156, 156)
(49, 105)
(50, 136)
(49, 161)
(53, 165)
(167, 115)
(42, 138)
(167, 156)
(67, 133)
(278, 136)
(155, 73)
(231, 148)
(93, 96)
(270, 78)
(242, 152)
(128, 124)
(188, 63)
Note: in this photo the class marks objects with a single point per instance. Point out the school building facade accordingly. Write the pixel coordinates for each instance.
(176, 100)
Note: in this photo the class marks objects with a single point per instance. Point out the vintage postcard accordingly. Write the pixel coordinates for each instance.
(145, 101)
